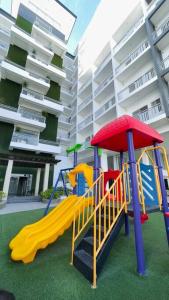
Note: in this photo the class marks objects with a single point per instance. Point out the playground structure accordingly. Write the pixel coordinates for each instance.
(100, 212)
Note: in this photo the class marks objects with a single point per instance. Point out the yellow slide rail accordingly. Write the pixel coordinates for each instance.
(104, 214)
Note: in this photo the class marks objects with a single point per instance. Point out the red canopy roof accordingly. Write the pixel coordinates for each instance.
(113, 136)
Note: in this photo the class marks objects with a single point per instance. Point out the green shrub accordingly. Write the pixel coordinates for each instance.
(2, 195)
(59, 192)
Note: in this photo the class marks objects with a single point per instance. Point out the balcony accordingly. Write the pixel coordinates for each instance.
(85, 87)
(128, 35)
(150, 114)
(107, 107)
(66, 95)
(165, 67)
(23, 39)
(39, 101)
(84, 125)
(86, 102)
(22, 116)
(29, 141)
(4, 35)
(17, 73)
(102, 65)
(161, 30)
(3, 49)
(103, 86)
(73, 131)
(50, 36)
(137, 85)
(64, 122)
(63, 137)
(132, 57)
(54, 72)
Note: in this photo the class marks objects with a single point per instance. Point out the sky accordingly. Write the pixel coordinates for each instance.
(84, 9)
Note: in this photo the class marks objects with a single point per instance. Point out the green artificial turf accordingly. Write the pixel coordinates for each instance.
(51, 277)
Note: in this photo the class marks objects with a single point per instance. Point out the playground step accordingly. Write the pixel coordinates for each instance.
(83, 254)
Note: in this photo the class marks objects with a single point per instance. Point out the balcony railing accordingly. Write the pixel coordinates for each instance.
(5, 31)
(102, 64)
(150, 113)
(103, 85)
(162, 29)
(73, 131)
(85, 123)
(105, 107)
(52, 143)
(48, 29)
(129, 33)
(30, 73)
(84, 103)
(85, 85)
(38, 96)
(25, 138)
(136, 84)
(64, 119)
(64, 136)
(140, 49)
(11, 108)
(29, 114)
(165, 63)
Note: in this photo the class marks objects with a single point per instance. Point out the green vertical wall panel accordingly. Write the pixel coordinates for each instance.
(57, 61)
(50, 132)
(24, 24)
(54, 91)
(17, 55)
(9, 92)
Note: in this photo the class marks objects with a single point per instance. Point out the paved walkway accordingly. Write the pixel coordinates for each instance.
(17, 207)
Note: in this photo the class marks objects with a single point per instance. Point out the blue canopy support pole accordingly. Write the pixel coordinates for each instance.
(75, 164)
(136, 206)
(127, 229)
(163, 189)
(96, 171)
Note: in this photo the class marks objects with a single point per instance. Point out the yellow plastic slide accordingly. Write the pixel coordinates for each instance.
(46, 231)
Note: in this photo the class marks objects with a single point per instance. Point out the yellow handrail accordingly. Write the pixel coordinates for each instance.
(86, 209)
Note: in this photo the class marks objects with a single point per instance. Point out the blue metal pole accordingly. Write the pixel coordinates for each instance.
(127, 229)
(136, 207)
(96, 170)
(163, 190)
(74, 164)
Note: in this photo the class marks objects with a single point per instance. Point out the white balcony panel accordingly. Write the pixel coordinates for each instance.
(64, 122)
(106, 112)
(134, 28)
(3, 49)
(4, 35)
(38, 101)
(105, 89)
(58, 46)
(154, 115)
(86, 125)
(85, 89)
(65, 95)
(161, 14)
(138, 89)
(54, 72)
(102, 66)
(25, 41)
(40, 148)
(18, 74)
(132, 57)
(86, 106)
(18, 118)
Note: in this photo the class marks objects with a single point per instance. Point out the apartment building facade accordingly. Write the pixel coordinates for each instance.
(34, 107)
(129, 74)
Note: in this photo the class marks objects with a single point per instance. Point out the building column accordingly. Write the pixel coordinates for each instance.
(104, 161)
(37, 182)
(7, 178)
(46, 177)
